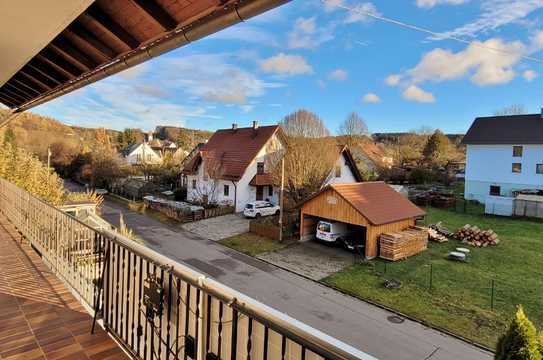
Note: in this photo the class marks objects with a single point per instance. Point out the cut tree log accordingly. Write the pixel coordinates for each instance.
(474, 236)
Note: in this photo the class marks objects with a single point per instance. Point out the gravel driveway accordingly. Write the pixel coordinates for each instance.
(310, 259)
(219, 227)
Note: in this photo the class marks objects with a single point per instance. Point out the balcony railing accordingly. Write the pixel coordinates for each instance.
(153, 306)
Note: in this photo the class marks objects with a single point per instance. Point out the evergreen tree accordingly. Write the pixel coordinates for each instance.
(520, 342)
(437, 146)
(126, 138)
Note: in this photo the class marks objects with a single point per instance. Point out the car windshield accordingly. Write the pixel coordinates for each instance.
(323, 226)
(249, 206)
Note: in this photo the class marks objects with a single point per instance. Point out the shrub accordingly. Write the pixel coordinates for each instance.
(421, 176)
(520, 342)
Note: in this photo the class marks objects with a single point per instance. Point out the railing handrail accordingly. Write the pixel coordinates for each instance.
(304, 334)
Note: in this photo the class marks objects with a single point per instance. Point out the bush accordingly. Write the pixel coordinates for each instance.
(520, 342)
(421, 176)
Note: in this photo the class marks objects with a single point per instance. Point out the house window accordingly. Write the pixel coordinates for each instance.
(516, 168)
(517, 151)
(194, 184)
(226, 190)
(138, 157)
(270, 190)
(495, 190)
(539, 169)
(338, 171)
(148, 157)
(260, 168)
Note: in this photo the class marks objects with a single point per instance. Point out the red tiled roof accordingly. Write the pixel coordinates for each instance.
(378, 202)
(234, 149)
(261, 180)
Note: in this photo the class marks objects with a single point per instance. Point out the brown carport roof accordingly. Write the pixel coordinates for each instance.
(112, 35)
(376, 201)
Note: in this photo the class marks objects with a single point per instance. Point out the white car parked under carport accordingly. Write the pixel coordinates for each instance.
(257, 209)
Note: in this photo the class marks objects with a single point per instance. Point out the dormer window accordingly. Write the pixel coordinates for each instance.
(517, 151)
(260, 168)
(338, 171)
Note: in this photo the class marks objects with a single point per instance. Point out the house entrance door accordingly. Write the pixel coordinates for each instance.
(260, 193)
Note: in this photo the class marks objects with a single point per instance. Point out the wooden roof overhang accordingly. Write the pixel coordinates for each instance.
(112, 35)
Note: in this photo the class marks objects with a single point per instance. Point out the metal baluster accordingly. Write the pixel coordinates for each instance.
(219, 330)
(187, 318)
(134, 274)
(127, 305)
(234, 346)
(196, 337)
(152, 321)
(146, 322)
(303, 352)
(283, 346)
(140, 296)
(168, 324)
(178, 316)
(265, 352)
(161, 315)
(117, 258)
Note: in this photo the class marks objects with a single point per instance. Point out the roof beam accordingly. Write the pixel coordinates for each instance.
(157, 13)
(19, 90)
(59, 64)
(63, 48)
(7, 100)
(13, 95)
(88, 37)
(34, 67)
(20, 82)
(23, 87)
(97, 15)
(34, 80)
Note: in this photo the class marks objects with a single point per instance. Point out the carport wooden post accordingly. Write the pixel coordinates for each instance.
(281, 199)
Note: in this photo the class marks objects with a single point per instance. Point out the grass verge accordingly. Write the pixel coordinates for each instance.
(474, 299)
(252, 244)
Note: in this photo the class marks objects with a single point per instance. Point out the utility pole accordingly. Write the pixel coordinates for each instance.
(281, 199)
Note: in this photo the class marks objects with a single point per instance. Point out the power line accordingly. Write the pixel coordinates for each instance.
(426, 31)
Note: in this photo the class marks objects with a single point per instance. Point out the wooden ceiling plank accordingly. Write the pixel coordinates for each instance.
(40, 84)
(70, 74)
(17, 89)
(156, 13)
(22, 84)
(88, 37)
(72, 55)
(111, 26)
(44, 74)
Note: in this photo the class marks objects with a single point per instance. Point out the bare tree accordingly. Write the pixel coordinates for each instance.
(207, 190)
(303, 123)
(515, 109)
(353, 127)
(308, 163)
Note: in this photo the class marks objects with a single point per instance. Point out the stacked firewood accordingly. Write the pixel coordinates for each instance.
(474, 236)
(434, 235)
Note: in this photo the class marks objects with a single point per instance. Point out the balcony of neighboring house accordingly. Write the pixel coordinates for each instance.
(61, 278)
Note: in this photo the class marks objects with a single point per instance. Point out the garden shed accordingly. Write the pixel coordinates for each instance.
(370, 208)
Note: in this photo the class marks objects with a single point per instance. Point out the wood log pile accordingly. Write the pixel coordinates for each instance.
(402, 244)
(438, 233)
(474, 236)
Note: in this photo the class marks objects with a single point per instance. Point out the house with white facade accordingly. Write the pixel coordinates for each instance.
(232, 167)
(503, 154)
(142, 153)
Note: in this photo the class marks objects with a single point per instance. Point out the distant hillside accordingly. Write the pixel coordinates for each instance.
(186, 138)
(392, 137)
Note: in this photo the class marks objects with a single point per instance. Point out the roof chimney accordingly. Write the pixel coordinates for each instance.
(255, 125)
(234, 126)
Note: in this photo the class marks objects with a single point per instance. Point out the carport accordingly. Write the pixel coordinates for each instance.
(372, 207)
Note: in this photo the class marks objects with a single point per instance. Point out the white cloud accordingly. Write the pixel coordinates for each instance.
(306, 34)
(536, 41)
(414, 93)
(432, 3)
(371, 98)
(284, 64)
(393, 80)
(486, 67)
(495, 14)
(338, 75)
(247, 33)
(321, 83)
(331, 5)
(134, 72)
(529, 75)
(359, 13)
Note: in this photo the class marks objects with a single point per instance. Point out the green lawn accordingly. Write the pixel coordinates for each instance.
(252, 244)
(460, 296)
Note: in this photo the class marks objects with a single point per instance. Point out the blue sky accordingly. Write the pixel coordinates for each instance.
(332, 60)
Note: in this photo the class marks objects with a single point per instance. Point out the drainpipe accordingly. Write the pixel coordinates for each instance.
(235, 195)
(221, 19)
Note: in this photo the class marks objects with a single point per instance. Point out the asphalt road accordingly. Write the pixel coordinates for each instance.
(352, 321)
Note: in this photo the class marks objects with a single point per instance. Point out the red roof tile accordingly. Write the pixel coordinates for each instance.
(234, 149)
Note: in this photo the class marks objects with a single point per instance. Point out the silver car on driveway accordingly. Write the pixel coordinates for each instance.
(257, 209)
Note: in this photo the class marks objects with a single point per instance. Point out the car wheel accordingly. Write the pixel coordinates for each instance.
(277, 212)
(257, 216)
